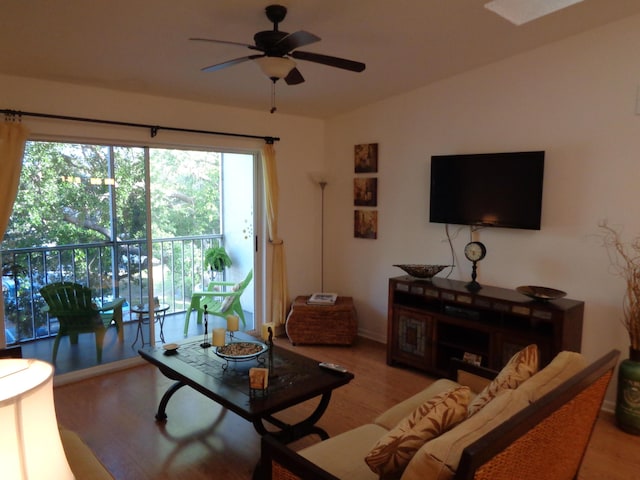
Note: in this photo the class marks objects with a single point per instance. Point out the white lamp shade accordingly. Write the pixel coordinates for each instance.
(275, 67)
(30, 445)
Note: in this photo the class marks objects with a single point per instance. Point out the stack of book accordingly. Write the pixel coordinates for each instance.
(323, 299)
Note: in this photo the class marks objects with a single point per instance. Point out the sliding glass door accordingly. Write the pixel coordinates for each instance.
(113, 217)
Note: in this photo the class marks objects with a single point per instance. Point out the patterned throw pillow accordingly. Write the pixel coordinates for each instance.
(521, 366)
(227, 303)
(392, 453)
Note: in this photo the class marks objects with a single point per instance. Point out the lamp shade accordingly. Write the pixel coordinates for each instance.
(30, 445)
(275, 67)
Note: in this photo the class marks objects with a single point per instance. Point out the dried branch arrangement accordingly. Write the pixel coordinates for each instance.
(625, 260)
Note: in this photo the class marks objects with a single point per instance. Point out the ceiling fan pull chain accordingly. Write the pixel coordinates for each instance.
(273, 95)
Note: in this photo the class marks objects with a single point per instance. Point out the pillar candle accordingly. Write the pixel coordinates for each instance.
(265, 330)
(218, 337)
(233, 323)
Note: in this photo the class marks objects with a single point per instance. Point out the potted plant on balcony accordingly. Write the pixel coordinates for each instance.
(216, 259)
(625, 259)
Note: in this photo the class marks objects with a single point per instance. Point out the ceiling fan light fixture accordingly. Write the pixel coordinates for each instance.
(275, 67)
(523, 11)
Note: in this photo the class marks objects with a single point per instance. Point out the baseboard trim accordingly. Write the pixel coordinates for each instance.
(376, 337)
(79, 375)
(608, 406)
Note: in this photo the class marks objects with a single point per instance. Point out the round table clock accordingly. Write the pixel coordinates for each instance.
(474, 251)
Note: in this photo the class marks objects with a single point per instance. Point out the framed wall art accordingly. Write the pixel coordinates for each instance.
(366, 158)
(365, 224)
(365, 192)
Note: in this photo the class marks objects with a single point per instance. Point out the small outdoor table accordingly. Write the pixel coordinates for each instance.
(143, 312)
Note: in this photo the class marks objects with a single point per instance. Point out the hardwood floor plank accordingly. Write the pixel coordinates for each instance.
(114, 414)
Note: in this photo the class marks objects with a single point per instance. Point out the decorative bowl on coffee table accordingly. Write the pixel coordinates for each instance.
(241, 352)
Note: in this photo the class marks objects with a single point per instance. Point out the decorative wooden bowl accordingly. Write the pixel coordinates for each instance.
(543, 294)
(424, 272)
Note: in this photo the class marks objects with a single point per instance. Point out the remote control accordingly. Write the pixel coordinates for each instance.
(334, 367)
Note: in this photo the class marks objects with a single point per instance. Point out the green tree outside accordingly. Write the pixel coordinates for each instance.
(74, 194)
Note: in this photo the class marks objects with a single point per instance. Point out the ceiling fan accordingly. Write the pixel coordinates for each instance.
(277, 48)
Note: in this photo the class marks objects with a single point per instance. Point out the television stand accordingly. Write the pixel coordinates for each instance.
(430, 322)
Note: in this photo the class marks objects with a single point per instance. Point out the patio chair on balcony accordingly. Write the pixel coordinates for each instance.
(221, 299)
(72, 305)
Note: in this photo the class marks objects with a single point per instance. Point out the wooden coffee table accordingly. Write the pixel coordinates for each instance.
(293, 379)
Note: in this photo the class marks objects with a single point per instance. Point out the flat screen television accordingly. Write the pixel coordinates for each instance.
(488, 189)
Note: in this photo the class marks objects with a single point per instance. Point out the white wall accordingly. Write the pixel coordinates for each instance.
(575, 99)
(299, 151)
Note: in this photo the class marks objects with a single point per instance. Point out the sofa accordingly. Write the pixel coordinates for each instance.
(83, 462)
(513, 431)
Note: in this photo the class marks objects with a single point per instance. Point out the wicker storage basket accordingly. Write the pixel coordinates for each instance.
(322, 324)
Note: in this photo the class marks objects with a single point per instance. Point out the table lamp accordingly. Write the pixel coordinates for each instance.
(30, 445)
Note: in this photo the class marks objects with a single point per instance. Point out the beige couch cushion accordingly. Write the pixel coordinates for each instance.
(343, 455)
(391, 453)
(475, 382)
(563, 366)
(83, 462)
(438, 459)
(518, 369)
(390, 418)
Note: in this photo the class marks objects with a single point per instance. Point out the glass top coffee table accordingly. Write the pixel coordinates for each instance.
(293, 379)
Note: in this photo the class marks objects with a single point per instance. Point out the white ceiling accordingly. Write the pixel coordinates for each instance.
(143, 46)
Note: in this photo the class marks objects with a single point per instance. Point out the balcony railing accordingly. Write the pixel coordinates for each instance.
(111, 270)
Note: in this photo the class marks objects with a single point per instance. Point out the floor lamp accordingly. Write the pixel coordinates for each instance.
(323, 184)
(321, 180)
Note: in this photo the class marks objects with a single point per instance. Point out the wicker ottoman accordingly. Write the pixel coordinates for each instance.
(322, 324)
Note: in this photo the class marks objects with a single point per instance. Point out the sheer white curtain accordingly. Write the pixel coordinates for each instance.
(279, 301)
(13, 137)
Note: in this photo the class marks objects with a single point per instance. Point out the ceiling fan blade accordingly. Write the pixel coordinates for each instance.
(229, 63)
(295, 40)
(211, 40)
(328, 60)
(294, 77)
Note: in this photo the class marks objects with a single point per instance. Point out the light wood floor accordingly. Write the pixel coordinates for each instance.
(114, 414)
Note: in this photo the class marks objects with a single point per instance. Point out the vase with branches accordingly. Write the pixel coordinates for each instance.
(625, 260)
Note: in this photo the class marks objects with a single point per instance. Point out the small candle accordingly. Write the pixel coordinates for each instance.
(265, 330)
(218, 337)
(233, 323)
